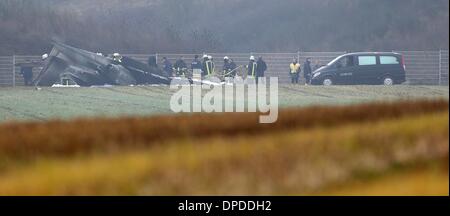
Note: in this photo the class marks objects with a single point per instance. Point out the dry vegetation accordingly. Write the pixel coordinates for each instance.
(317, 150)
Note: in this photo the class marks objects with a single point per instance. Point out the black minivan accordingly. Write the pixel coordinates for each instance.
(385, 68)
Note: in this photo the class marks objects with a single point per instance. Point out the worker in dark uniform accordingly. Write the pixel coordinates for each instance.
(294, 71)
(307, 71)
(261, 67)
(180, 67)
(27, 73)
(196, 64)
(167, 66)
(226, 67)
(196, 67)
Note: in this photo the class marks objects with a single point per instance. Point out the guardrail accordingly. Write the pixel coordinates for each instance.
(422, 67)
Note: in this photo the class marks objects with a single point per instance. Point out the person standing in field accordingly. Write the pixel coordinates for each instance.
(251, 67)
(196, 67)
(180, 67)
(226, 69)
(307, 71)
(208, 66)
(167, 66)
(261, 68)
(27, 73)
(294, 71)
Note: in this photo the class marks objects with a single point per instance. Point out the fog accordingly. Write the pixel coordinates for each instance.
(149, 26)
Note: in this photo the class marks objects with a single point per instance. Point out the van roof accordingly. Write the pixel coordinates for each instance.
(372, 53)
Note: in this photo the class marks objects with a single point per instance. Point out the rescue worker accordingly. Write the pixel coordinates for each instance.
(307, 71)
(205, 59)
(196, 64)
(251, 67)
(167, 66)
(226, 67)
(294, 71)
(208, 69)
(27, 73)
(180, 67)
(261, 67)
(196, 67)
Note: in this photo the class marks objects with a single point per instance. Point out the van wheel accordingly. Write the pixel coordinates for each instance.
(388, 81)
(327, 81)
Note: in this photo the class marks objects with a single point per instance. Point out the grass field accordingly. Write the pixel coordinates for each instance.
(396, 148)
(49, 103)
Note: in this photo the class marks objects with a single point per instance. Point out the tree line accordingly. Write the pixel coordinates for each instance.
(150, 26)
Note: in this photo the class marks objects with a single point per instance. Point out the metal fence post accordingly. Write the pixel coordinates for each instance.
(156, 58)
(14, 71)
(440, 67)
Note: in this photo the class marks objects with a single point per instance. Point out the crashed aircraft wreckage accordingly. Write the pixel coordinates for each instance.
(84, 68)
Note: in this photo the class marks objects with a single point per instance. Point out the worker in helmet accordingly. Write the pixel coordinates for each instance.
(204, 69)
(294, 71)
(180, 67)
(251, 67)
(117, 57)
(167, 66)
(227, 67)
(208, 66)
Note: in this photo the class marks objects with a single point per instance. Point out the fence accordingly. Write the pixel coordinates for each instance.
(422, 67)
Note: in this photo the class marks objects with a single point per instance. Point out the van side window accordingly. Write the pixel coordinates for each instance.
(367, 60)
(388, 60)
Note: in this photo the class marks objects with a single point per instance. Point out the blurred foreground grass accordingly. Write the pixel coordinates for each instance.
(390, 155)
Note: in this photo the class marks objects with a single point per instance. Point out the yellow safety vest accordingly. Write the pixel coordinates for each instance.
(209, 67)
(253, 69)
(294, 68)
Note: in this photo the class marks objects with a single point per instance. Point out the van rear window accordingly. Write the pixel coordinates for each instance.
(367, 60)
(389, 60)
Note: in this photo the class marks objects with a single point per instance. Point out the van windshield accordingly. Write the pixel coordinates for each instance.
(334, 60)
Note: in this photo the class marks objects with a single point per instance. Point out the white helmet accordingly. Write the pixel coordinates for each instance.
(252, 57)
(225, 58)
(44, 56)
(116, 54)
(205, 56)
(209, 57)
